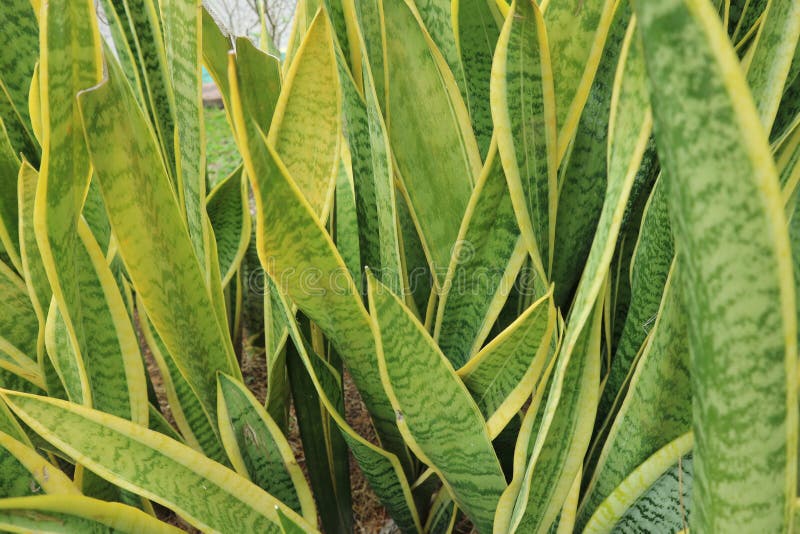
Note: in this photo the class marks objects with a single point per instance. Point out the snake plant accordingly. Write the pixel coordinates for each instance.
(553, 246)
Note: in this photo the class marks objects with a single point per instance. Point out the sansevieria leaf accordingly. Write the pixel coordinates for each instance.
(76, 513)
(182, 26)
(229, 212)
(305, 130)
(258, 449)
(434, 410)
(291, 241)
(26, 472)
(487, 257)
(732, 241)
(657, 491)
(577, 33)
(160, 258)
(523, 110)
(381, 468)
(570, 408)
(654, 411)
(208, 495)
(504, 373)
(583, 169)
(76, 269)
(447, 164)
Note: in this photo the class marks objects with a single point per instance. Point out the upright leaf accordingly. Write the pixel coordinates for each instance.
(656, 409)
(523, 109)
(434, 410)
(577, 33)
(159, 257)
(488, 255)
(730, 233)
(306, 128)
(503, 374)
(182, 25)
(259, 450)
(296, 250)
(444, 162)
(229, 212)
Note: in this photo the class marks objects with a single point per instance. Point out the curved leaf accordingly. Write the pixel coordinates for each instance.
(229, 211)
(655, 473)
(203, 492)
(306, 127)
(486, 259)
(159, 258)
(446, 163)
(76, 513)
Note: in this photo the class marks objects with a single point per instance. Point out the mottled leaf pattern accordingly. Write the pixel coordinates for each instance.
(446, 430)
(730, 234)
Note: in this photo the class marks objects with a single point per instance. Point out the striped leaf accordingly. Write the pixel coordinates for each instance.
(731, 235)
(371, 25)
(187, 410)
(770, 57)
(84, 289)
(207, 495)
(650, 266)
(18, 326)
(229, 212)
(653, 497)
(182, 26)
(33, 269)
(442, 517)
(63, 356)
(18, 25)
(666, 505)
(477, 24)
(373, 178)
(324, 449)
(275, 345)
(216, 46)
(345, 220)
(583, 171)
(305, 130)
(577, 33)
(570, 409)
(144, 32)
(260, 84)
(435, 412)
(446, 165)
(297, 252)
(523, 110)
(437, 17)
(488, 255)
(159, 258)
(383, 470)
(76, 513)
(505, 372)
(258, 449)
(563, 436)
(24, 472)
(655, 410)
(9, 217)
